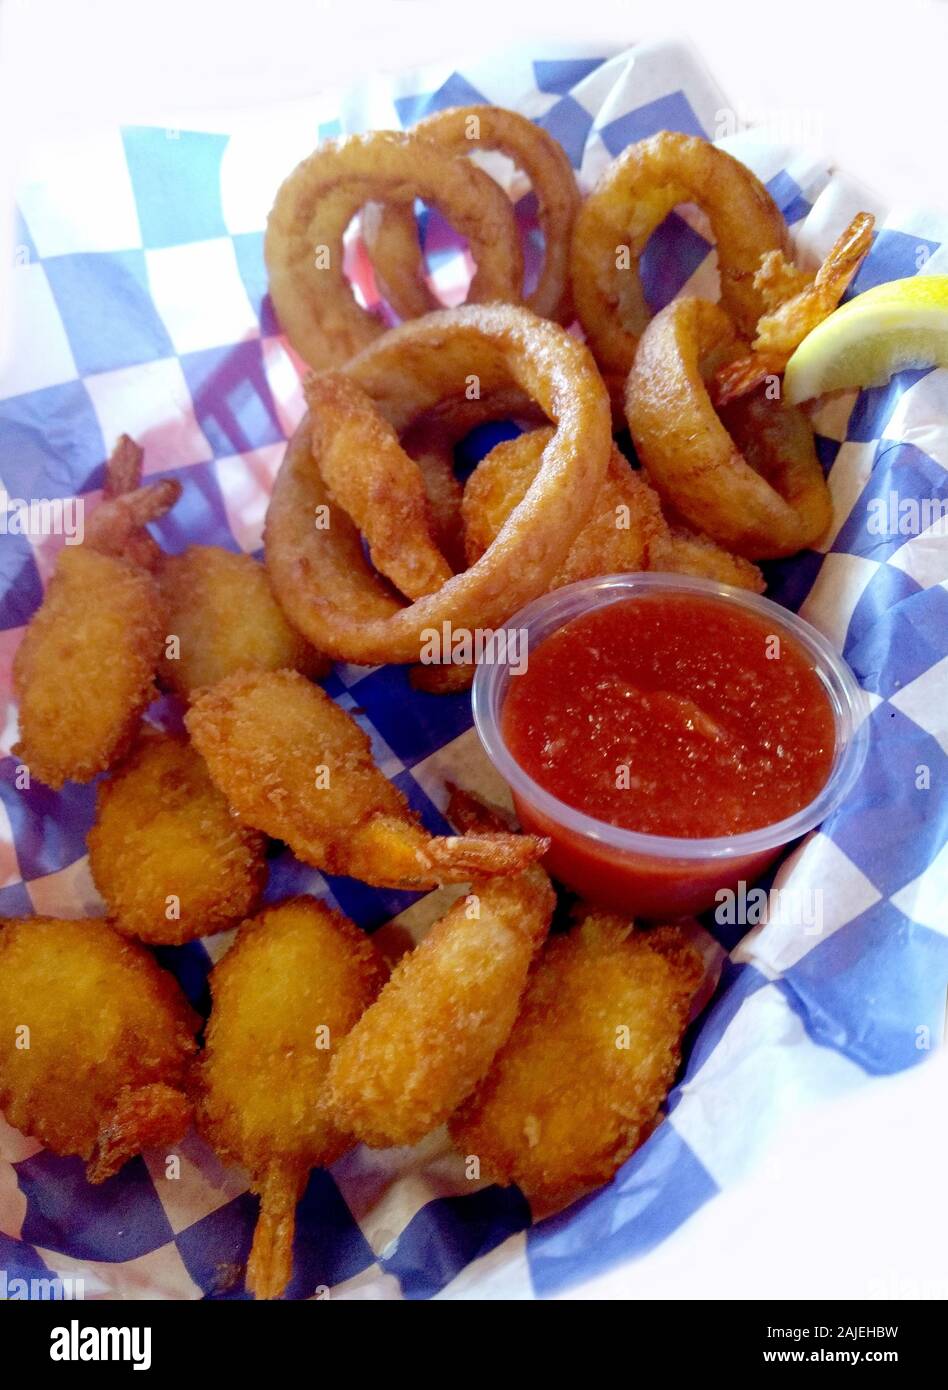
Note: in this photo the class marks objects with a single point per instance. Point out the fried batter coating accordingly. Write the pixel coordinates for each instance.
(432, 449)
(578, 1085)
(165, 840)
(451, 1002)
(603, 546)
(222, 610)
(315, 204)
(102, 1070)
(294, 764)
(391, 236)
(291, 986)
(633, 196)
(626, 532)
(771, 501)
(321, 576)
(84, 671)
(371, 477)
(680, 551)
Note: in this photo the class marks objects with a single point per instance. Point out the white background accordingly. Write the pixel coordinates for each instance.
(854, 1205)
(872, 75)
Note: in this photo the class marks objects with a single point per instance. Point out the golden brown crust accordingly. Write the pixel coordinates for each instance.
(625, 514)
(83, 673)
(774, 502)
(370, 476)
(450, 1004)
(316, 203)
(635, 193)
(579, 1084)
(321, 577)
(166, 852)
(294, 764)
(106, 1027)
(391, 235)
(680, 551)
(295, 981)
(223, 612)
(626, 531)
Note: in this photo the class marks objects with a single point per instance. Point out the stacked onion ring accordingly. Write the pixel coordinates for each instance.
(320, 574)
(381, 174)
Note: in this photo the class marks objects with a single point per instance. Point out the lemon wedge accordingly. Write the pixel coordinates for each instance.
(903, 323)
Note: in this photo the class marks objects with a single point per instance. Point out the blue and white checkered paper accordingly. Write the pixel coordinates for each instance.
(141, 306)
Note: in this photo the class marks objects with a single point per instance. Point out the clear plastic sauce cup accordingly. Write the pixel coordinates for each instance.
(661, 876)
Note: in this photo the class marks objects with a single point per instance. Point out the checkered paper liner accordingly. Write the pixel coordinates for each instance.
(141, 306)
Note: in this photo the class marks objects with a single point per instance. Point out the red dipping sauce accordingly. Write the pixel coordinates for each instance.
(670, 736)
(673, 715)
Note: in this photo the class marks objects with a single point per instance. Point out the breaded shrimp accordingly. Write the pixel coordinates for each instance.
(294, 764)
(221, 609)
(83, 673)
(450, 1004)
(680, 551)
(580, 1082)
(603, 546)
(292, 985)
(627, 530)
(166, 853)
(96, 1042)
(371, 477)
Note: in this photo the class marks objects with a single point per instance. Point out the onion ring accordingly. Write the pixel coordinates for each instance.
(770, 503)
(303, 246)
(431, 442)
(391, 234)
(633, 196)
(320, 576)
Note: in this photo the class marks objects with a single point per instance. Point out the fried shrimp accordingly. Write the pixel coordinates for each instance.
(289, 989)
(294, 764)
(759, 489)
(84, 671)
(451, 1002)
(95, 1042)
(676, 550)
(579, 1084)
(627, 530)
(634, 195)
(222, 611)
(380, 488)
(167, 855)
